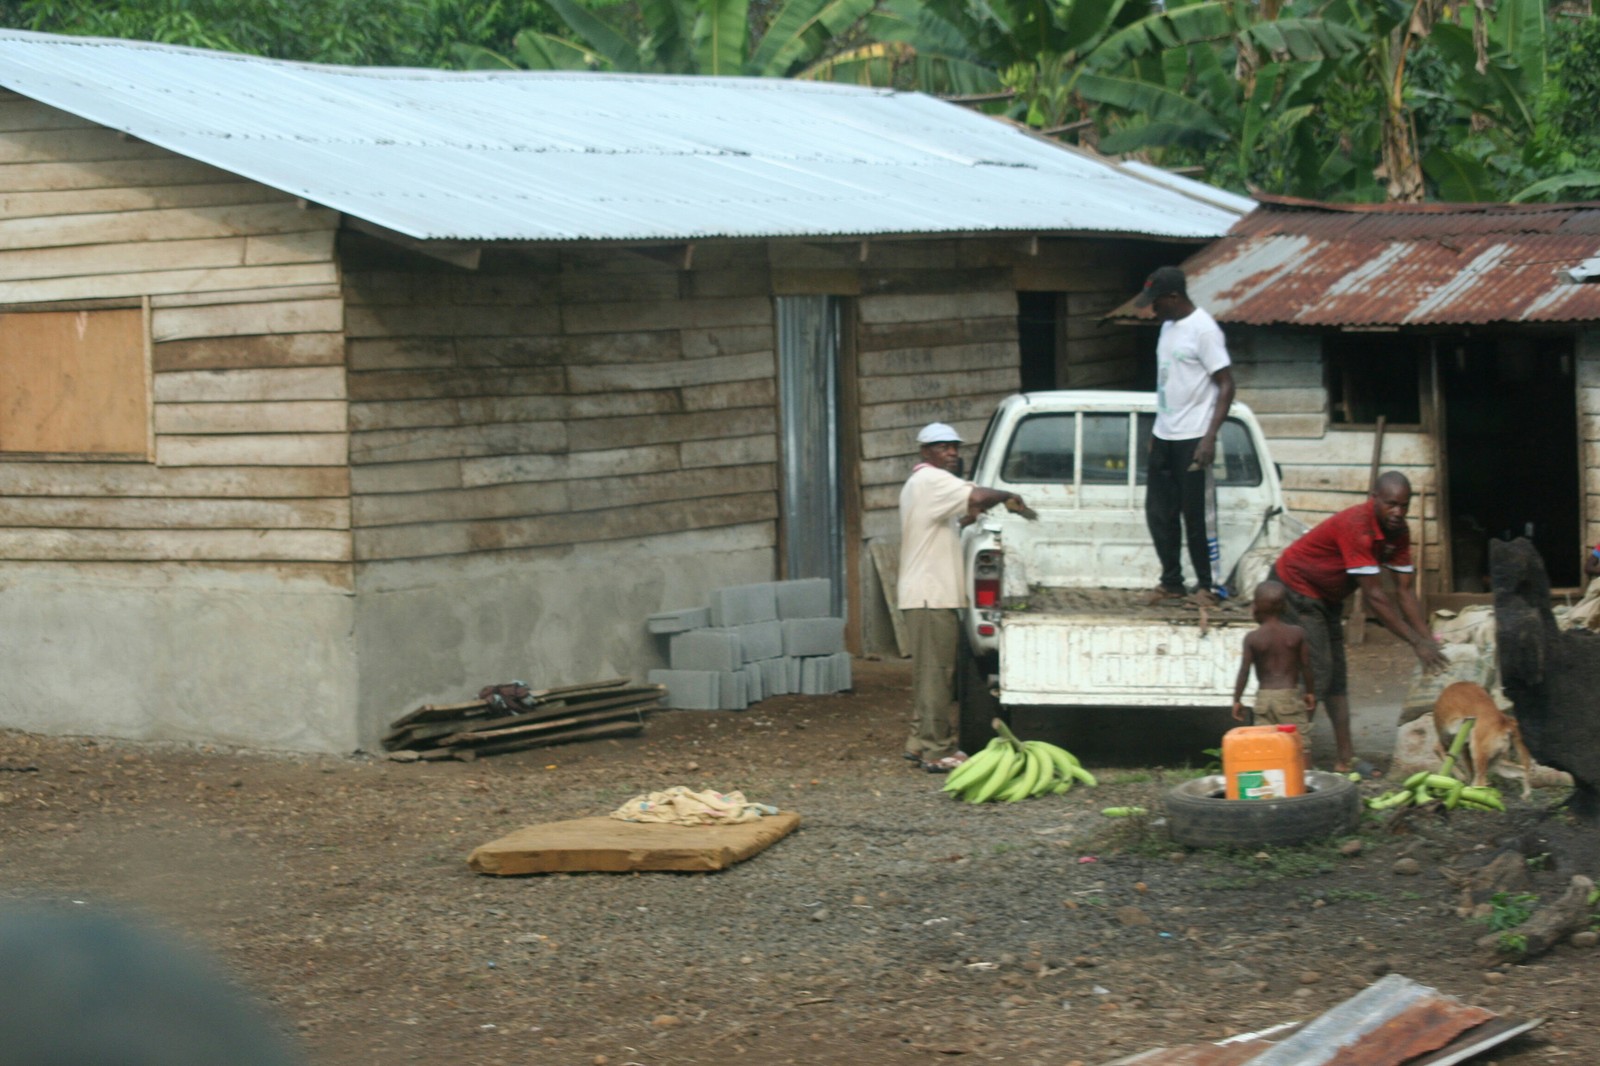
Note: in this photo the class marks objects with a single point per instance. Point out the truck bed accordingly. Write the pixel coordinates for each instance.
(1126, 604)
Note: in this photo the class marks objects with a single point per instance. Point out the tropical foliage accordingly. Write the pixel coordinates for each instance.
(1328, 99)
(422, 33)
(683, 37)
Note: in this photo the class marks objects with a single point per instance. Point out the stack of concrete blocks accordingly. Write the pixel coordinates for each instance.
(751, 642)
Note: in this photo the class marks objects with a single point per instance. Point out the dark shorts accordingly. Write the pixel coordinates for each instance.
(1324, 626)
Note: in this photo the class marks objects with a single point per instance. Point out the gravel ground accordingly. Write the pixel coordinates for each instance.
(895, 926)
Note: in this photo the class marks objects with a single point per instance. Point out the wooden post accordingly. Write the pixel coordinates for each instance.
(1356, 631)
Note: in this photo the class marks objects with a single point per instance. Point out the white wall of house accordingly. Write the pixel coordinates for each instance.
(180, 652)
(437, 630)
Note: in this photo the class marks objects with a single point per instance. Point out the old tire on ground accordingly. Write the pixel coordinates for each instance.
(979, 705)
(1198, 816)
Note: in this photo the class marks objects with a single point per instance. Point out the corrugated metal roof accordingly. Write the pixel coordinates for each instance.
(557, 156)
(1293, 263)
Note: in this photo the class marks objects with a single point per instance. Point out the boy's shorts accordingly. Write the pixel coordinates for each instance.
(1282, 706)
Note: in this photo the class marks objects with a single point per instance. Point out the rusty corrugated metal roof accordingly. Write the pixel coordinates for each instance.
(1305, 264)
(1389, 1023)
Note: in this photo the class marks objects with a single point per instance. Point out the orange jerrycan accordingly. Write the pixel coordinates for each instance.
(1263, 762)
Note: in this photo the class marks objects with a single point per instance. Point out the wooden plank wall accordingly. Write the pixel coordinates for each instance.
(1588, 389)
(938, 340)
(557, 398)
(1326, 469)
(240, 289)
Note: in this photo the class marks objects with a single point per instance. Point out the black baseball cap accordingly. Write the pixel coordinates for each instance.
(1161, 282)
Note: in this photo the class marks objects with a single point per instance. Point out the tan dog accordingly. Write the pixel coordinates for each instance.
(1494, 732)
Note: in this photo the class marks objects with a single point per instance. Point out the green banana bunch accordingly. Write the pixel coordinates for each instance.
(1426, 787)
(1011, 770)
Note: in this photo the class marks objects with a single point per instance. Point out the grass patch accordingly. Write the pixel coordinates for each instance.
(1255, 868)
(1344, 895)
(1507, 910)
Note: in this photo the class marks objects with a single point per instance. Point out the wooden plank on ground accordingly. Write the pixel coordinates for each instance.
(546, 727)
(886, 557)
(609, 845)
(593, 732)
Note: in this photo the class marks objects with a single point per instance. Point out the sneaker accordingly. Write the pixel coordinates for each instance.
(1203, 598)
(946, 764)
(1162, 594)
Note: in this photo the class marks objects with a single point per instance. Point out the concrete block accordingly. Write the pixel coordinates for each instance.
(755, 690)
(734, 692)
(774, 677)
(679, 621)
(813, 636)
(705, 649)
(810, 597)
(739, 605)
(843, 681)
(815, 676)
(689, 690)
(794, 673)
(760, 640)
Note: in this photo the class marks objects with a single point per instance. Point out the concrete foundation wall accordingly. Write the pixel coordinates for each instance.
(437, 630)
(178, 652)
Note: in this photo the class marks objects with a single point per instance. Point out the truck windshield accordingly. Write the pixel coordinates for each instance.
(1044, 449)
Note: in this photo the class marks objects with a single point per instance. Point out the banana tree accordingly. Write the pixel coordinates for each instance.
(683, 37)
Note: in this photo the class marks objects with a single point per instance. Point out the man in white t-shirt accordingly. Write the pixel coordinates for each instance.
(934, 504)
(1194, 389)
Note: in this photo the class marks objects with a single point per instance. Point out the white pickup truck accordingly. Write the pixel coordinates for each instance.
(1057, 616)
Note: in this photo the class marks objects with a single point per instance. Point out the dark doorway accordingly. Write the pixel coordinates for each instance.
(1036, 339)
(1511, 452)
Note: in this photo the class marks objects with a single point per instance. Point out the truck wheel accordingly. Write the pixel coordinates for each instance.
(1199, 816)
(979, 706)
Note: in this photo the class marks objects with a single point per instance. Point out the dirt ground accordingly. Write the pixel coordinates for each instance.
(895, 926)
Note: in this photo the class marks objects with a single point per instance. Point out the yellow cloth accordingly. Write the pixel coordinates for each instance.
(680, 805)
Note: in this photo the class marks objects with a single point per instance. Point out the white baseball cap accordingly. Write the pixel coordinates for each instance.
(938, 433)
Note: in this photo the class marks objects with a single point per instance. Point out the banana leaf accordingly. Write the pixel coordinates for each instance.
(721, 36)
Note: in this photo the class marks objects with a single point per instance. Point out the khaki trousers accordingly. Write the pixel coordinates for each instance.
(935, 637)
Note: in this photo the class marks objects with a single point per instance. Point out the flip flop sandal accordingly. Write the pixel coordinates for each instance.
(944, 765)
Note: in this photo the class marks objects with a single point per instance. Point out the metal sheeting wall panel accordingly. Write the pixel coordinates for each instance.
(560, 156)
(808, 393)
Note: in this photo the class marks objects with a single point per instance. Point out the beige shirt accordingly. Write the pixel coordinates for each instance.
(930, 542)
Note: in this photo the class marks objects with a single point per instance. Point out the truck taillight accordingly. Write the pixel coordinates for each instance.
(986, 571)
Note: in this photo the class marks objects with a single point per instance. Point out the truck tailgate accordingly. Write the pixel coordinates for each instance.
(1114, 662)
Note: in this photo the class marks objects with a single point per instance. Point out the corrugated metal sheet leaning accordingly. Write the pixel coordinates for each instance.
(539, 156)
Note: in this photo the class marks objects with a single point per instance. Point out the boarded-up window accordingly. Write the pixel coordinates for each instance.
(73, 382)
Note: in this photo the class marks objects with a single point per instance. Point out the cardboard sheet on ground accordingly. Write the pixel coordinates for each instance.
(606, 845)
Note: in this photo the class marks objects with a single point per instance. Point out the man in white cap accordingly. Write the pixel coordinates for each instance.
(934, 504)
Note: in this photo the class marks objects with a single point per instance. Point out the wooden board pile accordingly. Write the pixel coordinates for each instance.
(511, 717)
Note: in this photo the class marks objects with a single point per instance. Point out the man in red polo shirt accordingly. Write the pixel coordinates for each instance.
(1345, 552)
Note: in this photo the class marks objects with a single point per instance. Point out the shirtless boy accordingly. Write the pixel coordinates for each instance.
(1281, 657)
